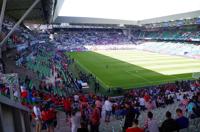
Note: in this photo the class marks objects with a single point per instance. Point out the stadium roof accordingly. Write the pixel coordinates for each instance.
(131, 12)
(41, 13)
(127, 12)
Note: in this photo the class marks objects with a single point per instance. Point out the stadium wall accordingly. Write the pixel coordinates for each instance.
(13, 116)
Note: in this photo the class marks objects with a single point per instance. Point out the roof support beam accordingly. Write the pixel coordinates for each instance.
(20, 9)
(19, 22)
(2, 13)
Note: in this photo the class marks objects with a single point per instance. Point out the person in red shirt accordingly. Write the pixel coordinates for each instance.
(44, 115)
(24, 95)
(135, 127)
(67, 106)
(95, 120)
(51, 122)
(147, 97)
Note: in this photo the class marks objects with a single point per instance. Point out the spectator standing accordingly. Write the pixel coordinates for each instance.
(151, 124)
(83, 128)
(134, 127)
(190, 107)
(37, 114)
(95, 120)
(75, 120)
(67, 106)
(142, 103)
(169, 125)
(51, 123)
(45, 118)
(130, 116)
(182, 121)
(98, 104)
(108, 109)
(85, 116)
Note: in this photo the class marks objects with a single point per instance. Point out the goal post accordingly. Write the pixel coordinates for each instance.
(196, 75)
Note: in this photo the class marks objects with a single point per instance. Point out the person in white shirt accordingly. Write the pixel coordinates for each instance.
(151, 124)
(103, 112)
(16, 94)
(181, 96)
(37, 113)
(108, 109)
(75, 120)
(142, 103)
(76, 98)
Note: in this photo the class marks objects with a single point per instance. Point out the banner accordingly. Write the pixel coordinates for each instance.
(9, 79)
(196, 75)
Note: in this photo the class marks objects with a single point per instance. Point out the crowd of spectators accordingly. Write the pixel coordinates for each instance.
(174, 34)
(80, 106)
(75, 39)
(84, 110)
(87, 110)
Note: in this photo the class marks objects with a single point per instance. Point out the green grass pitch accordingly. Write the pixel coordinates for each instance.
(133, 68)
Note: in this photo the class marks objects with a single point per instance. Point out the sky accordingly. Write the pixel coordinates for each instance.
(127, 9)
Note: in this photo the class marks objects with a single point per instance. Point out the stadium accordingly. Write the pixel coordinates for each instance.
(100, 66)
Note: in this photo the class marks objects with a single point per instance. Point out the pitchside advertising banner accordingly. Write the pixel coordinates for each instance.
(196, 75)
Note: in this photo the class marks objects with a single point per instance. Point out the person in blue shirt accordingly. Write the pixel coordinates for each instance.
(190, 107)
(182, 121)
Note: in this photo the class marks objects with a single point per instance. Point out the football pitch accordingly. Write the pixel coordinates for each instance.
(134, 68)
